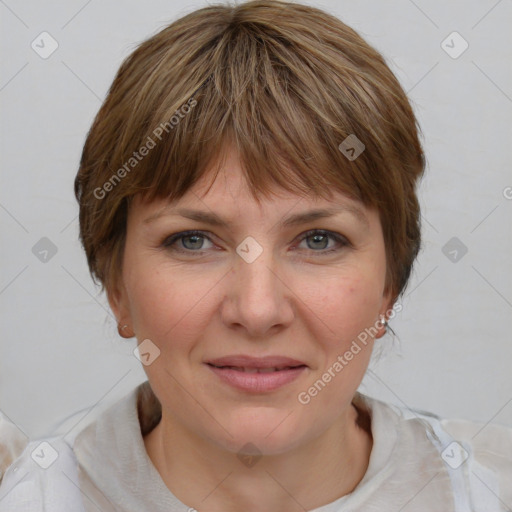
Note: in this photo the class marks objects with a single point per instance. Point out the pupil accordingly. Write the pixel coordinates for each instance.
(197, 243)
(316, 239)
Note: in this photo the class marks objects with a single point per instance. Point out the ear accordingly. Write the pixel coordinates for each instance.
(388, 299)
(119, 304)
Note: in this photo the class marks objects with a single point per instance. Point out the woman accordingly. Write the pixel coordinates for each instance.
(248, 202)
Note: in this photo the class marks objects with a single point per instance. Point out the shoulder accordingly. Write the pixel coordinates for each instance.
(475, 457)
(42, 478)
(488, 449)
(485, 438)
(52, 473)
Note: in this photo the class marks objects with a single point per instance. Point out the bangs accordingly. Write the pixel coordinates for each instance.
(286, 128)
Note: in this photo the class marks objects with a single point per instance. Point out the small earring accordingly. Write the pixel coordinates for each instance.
(383, 322)
(121, 332)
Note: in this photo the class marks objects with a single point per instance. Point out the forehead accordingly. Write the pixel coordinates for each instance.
(229, 192)
(227, 214)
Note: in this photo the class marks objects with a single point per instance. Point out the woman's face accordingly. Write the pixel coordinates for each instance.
(266, 290)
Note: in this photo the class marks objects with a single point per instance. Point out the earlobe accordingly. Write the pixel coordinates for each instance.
(117, 300)
(383, 324)
(125, 331)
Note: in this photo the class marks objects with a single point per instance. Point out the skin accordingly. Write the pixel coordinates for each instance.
(296, 299)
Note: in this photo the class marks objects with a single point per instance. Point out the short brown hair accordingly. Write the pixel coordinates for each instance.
(287, 84)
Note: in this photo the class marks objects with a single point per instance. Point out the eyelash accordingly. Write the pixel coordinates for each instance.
(170, 241)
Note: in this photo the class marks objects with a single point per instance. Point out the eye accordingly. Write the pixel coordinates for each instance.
(319, 240)
(191, 241)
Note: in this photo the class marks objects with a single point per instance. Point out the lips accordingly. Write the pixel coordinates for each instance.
(247, 369)
(257, 374)
(255, 364)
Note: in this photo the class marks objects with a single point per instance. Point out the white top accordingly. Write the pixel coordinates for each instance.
(418, 463)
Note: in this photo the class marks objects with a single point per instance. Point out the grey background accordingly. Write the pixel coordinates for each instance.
(60, 351)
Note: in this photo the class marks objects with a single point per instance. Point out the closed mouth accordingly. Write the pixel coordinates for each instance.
(249, 369)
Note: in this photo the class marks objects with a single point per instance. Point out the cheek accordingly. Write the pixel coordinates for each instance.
(345, 309)
(167, 305)
(346, 304)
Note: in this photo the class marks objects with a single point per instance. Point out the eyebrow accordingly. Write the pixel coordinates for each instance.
(293, 220)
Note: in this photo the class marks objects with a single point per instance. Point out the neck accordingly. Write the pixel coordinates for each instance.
(203, 475)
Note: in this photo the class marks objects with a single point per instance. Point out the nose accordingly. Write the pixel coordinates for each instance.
(258, 298)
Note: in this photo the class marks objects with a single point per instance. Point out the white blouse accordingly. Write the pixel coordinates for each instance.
(418, 463)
